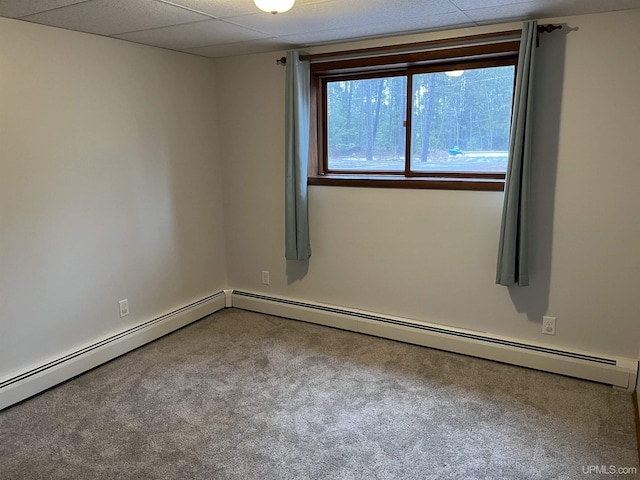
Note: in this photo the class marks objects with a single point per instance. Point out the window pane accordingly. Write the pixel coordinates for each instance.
(461, 120)
(365, 130)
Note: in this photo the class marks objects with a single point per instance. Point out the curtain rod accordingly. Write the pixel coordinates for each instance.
(416, 45)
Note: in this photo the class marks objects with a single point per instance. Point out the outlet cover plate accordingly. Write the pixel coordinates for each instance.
(549, 325)
(124, 307)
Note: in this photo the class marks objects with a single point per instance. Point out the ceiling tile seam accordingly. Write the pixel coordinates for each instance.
(84, 32)
(256, 41)
(188, 50)
(615, 9)
(463, 12)
(116, 35)
(471, 19)
(146, 44)
(456, 7)
(193, 10)
(487, 8)
(270, 35)
(380, 36)
(416, 31)
(177, 50)
(511, 3)
(52, 9)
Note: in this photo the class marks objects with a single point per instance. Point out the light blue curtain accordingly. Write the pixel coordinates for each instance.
(513, 266)
(298, 245)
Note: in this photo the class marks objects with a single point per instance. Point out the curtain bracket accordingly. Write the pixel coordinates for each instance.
(545, 29)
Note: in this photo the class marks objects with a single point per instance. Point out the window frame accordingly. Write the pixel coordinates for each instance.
(405, 64)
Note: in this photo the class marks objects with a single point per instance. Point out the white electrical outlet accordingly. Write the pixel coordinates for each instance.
(549, 325)
(265, 277)
(124, 307)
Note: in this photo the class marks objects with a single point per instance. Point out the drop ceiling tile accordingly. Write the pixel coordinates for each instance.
(429, 22)
(228, 8)
(399, 27)
(310, 22)
(504, 13)
(342, 13)
(20, 8)
(192, 35)
(573, 7)
(219, 8)
(546, 9)
(244, 48)
(111, 17)
(584, 7)
(477, 4)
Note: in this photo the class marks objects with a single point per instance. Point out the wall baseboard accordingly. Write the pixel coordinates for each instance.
(617, 371)
(36, 380)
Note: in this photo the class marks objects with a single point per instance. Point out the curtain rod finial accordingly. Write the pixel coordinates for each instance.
(548, 28)
(281, 61)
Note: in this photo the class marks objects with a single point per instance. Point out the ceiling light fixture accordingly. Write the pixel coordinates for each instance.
(274, 6)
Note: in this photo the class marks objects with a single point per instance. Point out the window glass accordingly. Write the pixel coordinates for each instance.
(461, 120)
(365, 119)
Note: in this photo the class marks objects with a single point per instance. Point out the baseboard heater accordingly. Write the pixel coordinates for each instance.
(617, 371)
(35, 380)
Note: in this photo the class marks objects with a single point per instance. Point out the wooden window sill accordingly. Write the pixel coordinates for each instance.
(391, 181)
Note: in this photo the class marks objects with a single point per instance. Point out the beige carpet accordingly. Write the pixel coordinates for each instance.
(241, 395)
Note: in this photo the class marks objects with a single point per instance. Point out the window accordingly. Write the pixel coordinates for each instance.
(433, 119)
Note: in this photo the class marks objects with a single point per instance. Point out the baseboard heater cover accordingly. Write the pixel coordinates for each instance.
(617, 371)
(42, 377)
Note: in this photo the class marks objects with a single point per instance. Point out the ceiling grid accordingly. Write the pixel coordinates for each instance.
(218, 28)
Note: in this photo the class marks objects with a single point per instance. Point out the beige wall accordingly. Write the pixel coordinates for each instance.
(110, 188)
(430, 255)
